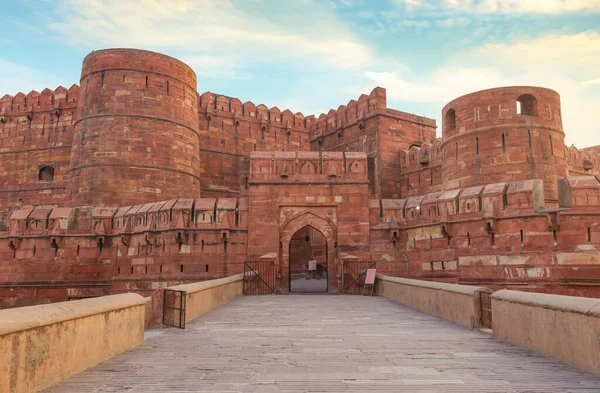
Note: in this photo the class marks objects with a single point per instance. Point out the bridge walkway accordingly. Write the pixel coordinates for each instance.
(326, 343)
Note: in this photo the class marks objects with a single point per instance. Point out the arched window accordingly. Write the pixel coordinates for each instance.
(527, 105)
(46, 174)
(450, 120)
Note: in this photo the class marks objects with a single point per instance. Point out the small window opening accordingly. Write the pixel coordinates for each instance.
(34, 251)
(503, 143)
(468, 239)
(146, 81)
(206, 268)
(202, 249)
(589, 235)
(118, 270)
(477, 146)
(555, 237)
(180, 268)
(146, 269)
(450, 120)
(132, 270)
(46, 174)
(526, 105)
(168, 88)
(160, 269)
(78, 250)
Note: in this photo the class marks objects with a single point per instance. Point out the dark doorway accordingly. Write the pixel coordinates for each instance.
(308, 244)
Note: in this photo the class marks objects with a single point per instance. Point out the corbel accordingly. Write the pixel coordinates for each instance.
(224, 235)
(55, 242)
(14, 243)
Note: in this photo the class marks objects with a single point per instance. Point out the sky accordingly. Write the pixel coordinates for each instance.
(313, 55)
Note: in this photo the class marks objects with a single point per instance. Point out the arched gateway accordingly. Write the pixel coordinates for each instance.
(305, 224)
(284, 201)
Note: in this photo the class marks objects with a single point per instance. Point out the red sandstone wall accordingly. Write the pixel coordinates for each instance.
(230, 131)
(328, 191)
(136, 135)
(50, 255)
(524, 247)
(36, 130)
(367, 125)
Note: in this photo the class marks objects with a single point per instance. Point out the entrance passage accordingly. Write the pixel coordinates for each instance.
(308, 261)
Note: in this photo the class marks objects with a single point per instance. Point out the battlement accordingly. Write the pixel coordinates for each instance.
(175, 214)
(356, 111)
(215, 104)
(48, 100)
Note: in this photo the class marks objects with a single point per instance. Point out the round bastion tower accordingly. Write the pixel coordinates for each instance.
(136, 130)
(504, 134)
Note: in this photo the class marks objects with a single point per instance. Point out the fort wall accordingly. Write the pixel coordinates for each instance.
(229, 131)
(369, 126)
(134, 181)
(36, 131)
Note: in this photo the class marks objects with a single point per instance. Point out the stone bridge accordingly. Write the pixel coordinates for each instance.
(414, 336)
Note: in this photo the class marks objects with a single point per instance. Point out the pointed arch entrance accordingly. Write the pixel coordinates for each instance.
(317, 224)
(308, 261)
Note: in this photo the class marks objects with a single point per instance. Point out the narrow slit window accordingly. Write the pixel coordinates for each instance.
(503, 143)
(522, 237)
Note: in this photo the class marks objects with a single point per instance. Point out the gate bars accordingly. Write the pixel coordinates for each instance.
(259, 277)
(354, 274)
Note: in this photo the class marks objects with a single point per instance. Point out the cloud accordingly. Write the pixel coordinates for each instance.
(306, 31)
(15, 78)
(591, 82)
(450, 23)
(572, 64)
(507, 6)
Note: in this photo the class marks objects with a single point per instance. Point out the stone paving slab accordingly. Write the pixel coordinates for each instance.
(326, 343)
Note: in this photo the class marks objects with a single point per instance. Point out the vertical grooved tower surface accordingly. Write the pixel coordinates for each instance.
(502, 135)
(136, 134)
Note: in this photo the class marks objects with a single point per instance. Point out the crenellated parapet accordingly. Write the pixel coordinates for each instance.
(28, 105)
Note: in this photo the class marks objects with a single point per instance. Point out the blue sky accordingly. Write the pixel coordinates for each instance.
(313, 55)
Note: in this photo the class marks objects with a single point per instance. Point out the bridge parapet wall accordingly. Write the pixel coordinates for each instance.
(564, 327)
(45, 344)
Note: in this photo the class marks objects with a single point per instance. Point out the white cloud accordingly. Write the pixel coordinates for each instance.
(15, 78)
(451, 23)
(591, 82)
(309, 32)
(565, 63)
(508, 6)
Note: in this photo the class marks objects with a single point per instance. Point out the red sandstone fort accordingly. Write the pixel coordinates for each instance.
(133, 181)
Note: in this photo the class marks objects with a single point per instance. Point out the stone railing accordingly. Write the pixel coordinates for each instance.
(41, 345)
(201, 297)
(564, 327)
(460, 304)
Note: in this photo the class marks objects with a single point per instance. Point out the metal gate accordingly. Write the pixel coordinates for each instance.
(354, 274)
(485, 301)
(174, 308)
(259, 277)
